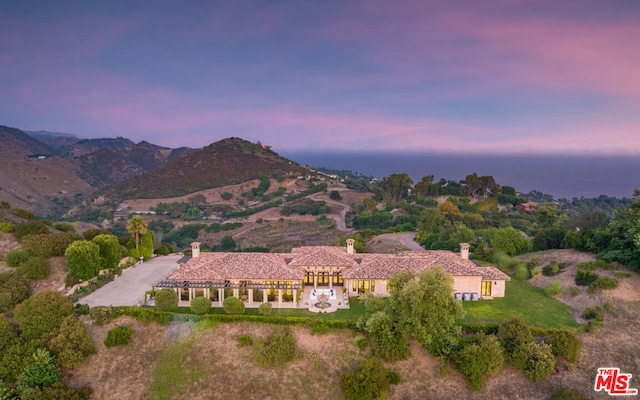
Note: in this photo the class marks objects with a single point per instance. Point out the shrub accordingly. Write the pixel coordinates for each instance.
(233, 305)
(14, 289)
(245, 340)
(594, 313)
(35, 268)
(46, 245)
(200, 305)
(29, 228)
(276, 349)
(538, 358)
(565, 344)
(593, 265)
(22, 213)
(568, 394)
(476, 361)
(335, 195)
(604, 283)
(8, 334)
(14, 258)
(83, 258)
(554, 289)
(6, 227)
(394, 377)
(41, 315)
(513, 333)
(535, 271)
(64, 227)
(552, 269)
(585, 278)
(71, 279)
(226, 195)
(265, 309)
(370, 381)
(163, 250)
(319, 328)
(72, 344)
(166, 300)
(119, 336)
(522, 272)
(361, 342)
(82, 309)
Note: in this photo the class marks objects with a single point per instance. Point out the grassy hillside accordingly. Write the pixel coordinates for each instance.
(227, 162)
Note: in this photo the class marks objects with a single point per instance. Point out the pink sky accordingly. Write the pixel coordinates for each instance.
(498, 76)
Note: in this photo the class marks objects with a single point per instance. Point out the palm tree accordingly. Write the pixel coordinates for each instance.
(137, 226)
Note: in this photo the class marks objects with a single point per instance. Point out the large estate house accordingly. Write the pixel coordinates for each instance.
(298, 278)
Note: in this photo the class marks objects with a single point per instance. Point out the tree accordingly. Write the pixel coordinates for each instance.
(426, 310)
(40, 316)
(41, 372)
(110, 250)
(13, 290)
(72, 344)
(137, 226)
(83, 259)
(387, 342)
(509, 241)
(451, 211)
(396, 187)
(422, 188)
(335, 195)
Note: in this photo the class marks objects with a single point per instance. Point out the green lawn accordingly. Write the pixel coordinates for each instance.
(523, 299)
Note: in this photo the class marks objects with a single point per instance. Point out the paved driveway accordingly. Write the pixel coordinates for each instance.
(128, 289)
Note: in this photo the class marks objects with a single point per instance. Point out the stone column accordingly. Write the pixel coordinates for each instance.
(207, 293)
(295, 298)
(250, 297)
(331, 280)
(221, 296)
(265, 297)
(235, 293)
(315, 281)
(279, 298)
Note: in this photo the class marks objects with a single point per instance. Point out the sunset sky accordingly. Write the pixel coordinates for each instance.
(471, 76)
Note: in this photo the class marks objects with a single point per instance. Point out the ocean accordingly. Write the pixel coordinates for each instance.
(561, 176)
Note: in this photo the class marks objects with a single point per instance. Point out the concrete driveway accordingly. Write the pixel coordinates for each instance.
(128, 289)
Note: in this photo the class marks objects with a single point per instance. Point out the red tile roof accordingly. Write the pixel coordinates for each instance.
(241, 266)
(291, 266)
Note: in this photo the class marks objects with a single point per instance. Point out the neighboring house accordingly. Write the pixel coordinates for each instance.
(528, 206)
(283, 277)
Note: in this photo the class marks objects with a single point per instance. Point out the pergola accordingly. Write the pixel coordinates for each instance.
(235, 285)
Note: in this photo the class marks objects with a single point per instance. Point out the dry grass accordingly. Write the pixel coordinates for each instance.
(208, 364)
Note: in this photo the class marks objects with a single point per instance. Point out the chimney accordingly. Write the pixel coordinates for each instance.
(464, 251)
(350, 243)
(195, 249)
